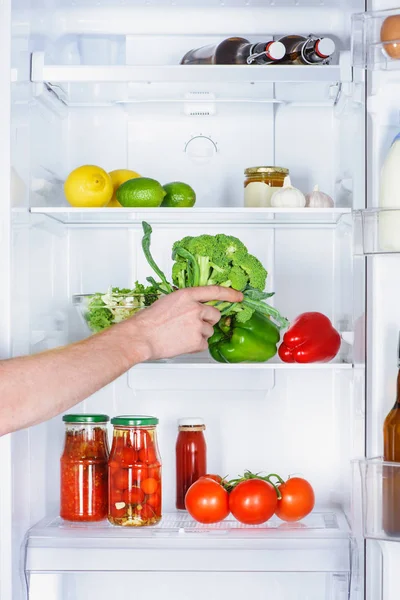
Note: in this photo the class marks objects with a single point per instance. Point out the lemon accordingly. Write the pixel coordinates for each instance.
(179, 195)
(118, 177)
(141, 192)
(89, 187)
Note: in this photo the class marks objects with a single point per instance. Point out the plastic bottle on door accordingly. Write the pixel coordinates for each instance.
(389, 197)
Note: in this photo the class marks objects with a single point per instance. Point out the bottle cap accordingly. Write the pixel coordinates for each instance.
(191, 422)
(85, 418)
(275, 50)
(134, 420)
(325, 47)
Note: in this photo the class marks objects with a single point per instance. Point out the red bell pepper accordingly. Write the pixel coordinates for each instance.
(311, 338)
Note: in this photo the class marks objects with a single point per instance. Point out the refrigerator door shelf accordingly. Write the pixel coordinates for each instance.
(257, 217)
(377, 231)
(320, 543)
(377, 489)
(369, 51)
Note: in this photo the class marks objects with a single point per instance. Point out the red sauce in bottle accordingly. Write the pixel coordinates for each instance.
(191, 456)
(84, 481)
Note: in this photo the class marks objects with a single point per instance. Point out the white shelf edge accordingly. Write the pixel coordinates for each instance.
(179, 216)
(53, 547)
(269, 366)
(199, 210)
(40, 72)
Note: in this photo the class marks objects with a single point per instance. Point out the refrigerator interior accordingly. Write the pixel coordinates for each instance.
(279, 418)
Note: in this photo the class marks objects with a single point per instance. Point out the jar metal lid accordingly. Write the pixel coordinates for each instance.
(134, 420)
(191, 422)
(86, 418)
(256, 170)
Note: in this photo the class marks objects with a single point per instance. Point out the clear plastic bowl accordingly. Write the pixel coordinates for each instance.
(97, 317)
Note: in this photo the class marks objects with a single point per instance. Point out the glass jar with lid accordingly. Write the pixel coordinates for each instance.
(191, 456)
(134, 472)
(83, 468)
(261, 183)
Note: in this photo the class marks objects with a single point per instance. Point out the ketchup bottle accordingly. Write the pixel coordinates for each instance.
(191, 456)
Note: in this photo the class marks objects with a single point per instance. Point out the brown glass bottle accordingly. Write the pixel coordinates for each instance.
(235, 51)
(391, 475)
(309, 50)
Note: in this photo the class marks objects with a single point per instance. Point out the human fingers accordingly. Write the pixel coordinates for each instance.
(210, 314)
(207, 330)
(214, 292)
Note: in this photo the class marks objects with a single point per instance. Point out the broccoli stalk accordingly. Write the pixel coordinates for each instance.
(165, 286)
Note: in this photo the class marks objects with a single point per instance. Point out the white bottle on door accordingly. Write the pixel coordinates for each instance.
(389, 197)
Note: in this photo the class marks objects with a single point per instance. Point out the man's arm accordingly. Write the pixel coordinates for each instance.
(36, 388)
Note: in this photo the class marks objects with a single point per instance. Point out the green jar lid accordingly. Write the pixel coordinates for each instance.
(134, 420)
(86, 418)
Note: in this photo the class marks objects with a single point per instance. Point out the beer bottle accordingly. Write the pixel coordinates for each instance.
(391, 475)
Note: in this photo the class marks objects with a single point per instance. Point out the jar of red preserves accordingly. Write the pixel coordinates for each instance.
(191, 456)
(134, 472)
(84, 468)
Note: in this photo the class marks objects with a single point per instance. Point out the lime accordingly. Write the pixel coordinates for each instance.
(118, 177)
(141, 192)
(88, 186)
(179, 195)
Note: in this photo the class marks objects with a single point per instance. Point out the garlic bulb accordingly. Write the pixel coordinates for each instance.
(288, 196)
(318, 199)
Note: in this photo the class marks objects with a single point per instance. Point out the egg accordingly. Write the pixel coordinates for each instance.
(390, 32)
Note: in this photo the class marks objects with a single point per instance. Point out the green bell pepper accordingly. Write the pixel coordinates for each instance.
(253, 341)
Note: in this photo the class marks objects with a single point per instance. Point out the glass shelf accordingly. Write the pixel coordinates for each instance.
(194, 85)
(42, 72)
(380, 495)
(207, 374)
(377, 231)
(129, 217)
(368, 50)
(321, 542)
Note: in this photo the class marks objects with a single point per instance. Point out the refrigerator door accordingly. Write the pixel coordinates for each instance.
(370, 52)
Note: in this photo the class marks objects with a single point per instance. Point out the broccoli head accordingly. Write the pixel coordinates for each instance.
(255, 271)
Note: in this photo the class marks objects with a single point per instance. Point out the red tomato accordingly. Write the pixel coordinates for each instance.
(121, 479)
(154, 472)
(141, 439)
(147, 455)
(253, 501)
(149, 486)
(139, 473)
(133, 496)
(216, 478)
(207, 501)
(129, 456)
(297, 500)
(154, 500)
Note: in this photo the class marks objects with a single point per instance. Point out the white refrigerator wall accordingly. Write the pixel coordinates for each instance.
(309, 422)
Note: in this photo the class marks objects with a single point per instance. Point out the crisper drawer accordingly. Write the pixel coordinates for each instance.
(159, 585)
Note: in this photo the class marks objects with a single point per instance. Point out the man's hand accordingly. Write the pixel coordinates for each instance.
(180, 323)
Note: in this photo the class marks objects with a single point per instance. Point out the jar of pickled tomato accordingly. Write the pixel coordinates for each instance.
(84, 472)
(134, 472)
